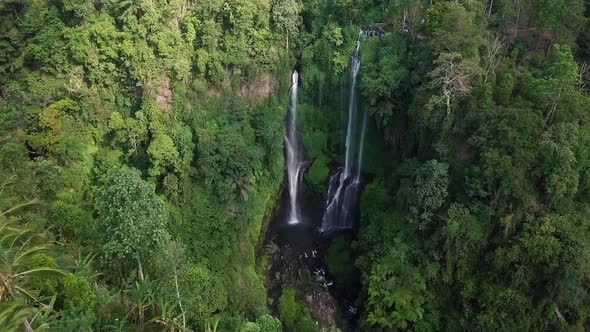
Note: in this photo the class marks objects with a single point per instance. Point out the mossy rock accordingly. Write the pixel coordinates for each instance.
(317, 174)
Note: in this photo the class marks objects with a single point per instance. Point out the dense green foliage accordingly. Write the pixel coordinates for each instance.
(479, 223)
(150, 132)
(146, 138)
(340, 262)
(294, 314)
(476, 220)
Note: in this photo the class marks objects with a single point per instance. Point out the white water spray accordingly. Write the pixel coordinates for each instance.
(355, 65)
(361, 148)
(293, 153)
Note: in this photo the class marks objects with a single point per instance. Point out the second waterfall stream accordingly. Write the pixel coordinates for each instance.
(344, 185)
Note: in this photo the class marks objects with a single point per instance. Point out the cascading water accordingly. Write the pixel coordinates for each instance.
(361, 147)
(344, 186)
(293, 153)
(352, 107)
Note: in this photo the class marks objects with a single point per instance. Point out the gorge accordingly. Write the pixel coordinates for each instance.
(294, 165)
(302, 240)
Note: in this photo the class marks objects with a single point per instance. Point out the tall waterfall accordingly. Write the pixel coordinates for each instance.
(355, 65)
(293, 153)
(344, 186)
(361, 147)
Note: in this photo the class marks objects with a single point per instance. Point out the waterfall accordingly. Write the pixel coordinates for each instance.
(344, 186)
(355, 66)
(361, 147)
(293, 153)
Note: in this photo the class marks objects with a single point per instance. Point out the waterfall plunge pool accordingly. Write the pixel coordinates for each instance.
(296, 257)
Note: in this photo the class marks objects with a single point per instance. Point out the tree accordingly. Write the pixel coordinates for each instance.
(348, 11)
(397, 292)
(561, 85)
(264, 323)
(285, 15)
(78, 294)
(164, 155)
(430, 191)
(131, 220)
(562, 18)
(23, 276)
(384, 75)
(563, 161)
(199, 288)
(128, 9)
(13, 314)
(452, 74)
(81, 10)
(341, 265)
(171, 264)
(492, 55)
(128, 132)
(227, 158)
(294, 315)
(453, 29)
(465, 237)
(18, 248)
(268, 323)
(546, 268)
(407, 14)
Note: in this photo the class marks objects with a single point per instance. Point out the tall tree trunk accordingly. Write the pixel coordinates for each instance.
(448, 101)
(554, 105)
(27, 326)
(178, 298)
(141, 314)
(404, 20)
(584, 69)
(517, 18)
(139, 267)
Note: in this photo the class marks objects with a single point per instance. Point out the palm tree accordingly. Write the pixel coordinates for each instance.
(211, 324)
(12, 315)
(168, 319)
(143, 296)
(18, 245)
(18, 300)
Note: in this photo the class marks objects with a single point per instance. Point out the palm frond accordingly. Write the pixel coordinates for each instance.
(27, 294)
(31, 202)
(84, 265)
(12, 315)
(30, 252)
(42, 269)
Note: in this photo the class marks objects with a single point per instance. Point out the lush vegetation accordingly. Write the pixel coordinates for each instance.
(293, 314)
(481, 221)
(476, 215)
(148, 134)
(141, 151)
